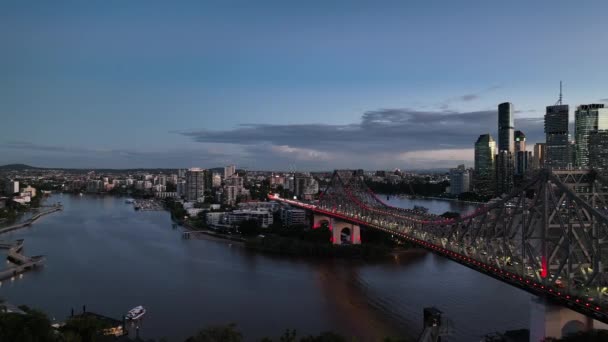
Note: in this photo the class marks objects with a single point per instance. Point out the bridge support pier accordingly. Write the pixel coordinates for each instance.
(339, 227)
(336, 227)
(551, 320)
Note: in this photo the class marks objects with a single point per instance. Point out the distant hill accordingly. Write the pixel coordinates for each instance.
(17, 167)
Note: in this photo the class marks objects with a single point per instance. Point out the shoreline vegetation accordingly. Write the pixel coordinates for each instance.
(27, 324)
(297, 241)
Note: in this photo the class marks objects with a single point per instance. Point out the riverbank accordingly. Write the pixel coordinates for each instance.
(210, 235)
(292, 246)
(436, 198)
(31, 220)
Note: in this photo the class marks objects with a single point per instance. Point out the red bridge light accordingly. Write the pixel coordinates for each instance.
(543, 272)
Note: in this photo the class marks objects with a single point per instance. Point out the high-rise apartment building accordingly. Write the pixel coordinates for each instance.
(181, 188)
(522, 157)
(305, 186)
(216, 180)
(520, 141)
(505, 161)
(460, 180)
(195, 184)
(505, 171)
(229, 171)
(557, 147)
(539, 156)
(231, 194)
(586, 121)
(505, 127)
(12, 187)
(485, 165)
(598, 150)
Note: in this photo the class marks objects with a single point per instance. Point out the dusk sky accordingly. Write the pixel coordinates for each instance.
(313, 85)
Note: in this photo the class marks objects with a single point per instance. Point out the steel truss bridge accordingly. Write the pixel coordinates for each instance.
(549, 237)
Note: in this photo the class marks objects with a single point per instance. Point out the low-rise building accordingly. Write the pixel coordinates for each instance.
(263, 217)
(22, 199)
(94, 185)
(194, 211)
(214, 218)
(165, 194)
(159, 188)
(271, 206)
(31, 191)
(293, 216)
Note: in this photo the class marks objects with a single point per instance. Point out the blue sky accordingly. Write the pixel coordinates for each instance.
(278, 84)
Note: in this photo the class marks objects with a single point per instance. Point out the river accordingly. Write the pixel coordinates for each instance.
(103, 254)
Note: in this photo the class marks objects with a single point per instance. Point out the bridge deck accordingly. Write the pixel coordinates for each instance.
(558, 295)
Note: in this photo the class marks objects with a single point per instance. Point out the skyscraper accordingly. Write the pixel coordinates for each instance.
(229, 171)
(520, 141)
(460, 179)
(195, 184)
(586, 121)
(539, 156)
(522, 157)
(505, 163)
(505, 127)
(485, 165)
(556, 130)
(598, 150)
(504, 172)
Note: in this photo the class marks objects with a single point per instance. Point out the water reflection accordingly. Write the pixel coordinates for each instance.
(103, 254)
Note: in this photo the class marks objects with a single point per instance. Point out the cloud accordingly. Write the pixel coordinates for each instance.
(381, 138)
(469, 97)
(79, 157)
(604, 100)
(445, 105)
(525, 111)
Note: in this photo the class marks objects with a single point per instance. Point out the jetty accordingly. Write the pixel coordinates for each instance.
(22, 263)
(31, 220)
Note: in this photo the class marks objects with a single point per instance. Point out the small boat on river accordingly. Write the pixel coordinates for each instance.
(136, 313)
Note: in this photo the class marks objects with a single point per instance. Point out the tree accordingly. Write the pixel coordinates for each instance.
(451, 215)
(218, 333)
(249, 227)
(34, 326)
(325, 337)
(321, 234)
(88, 328)
(589, 336)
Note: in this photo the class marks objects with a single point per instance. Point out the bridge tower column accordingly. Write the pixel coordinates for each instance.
(550, 320)
(355, 235)
(336, 232)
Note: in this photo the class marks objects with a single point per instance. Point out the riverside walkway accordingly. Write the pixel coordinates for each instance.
(31, 220)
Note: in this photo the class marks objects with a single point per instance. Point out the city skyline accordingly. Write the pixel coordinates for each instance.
(273, 87)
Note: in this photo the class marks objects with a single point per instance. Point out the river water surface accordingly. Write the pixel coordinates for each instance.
(103, 254)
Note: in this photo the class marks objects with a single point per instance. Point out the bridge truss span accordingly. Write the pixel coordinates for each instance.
(549, 237)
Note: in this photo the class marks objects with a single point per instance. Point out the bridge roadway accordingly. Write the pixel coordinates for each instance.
(579, 304)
